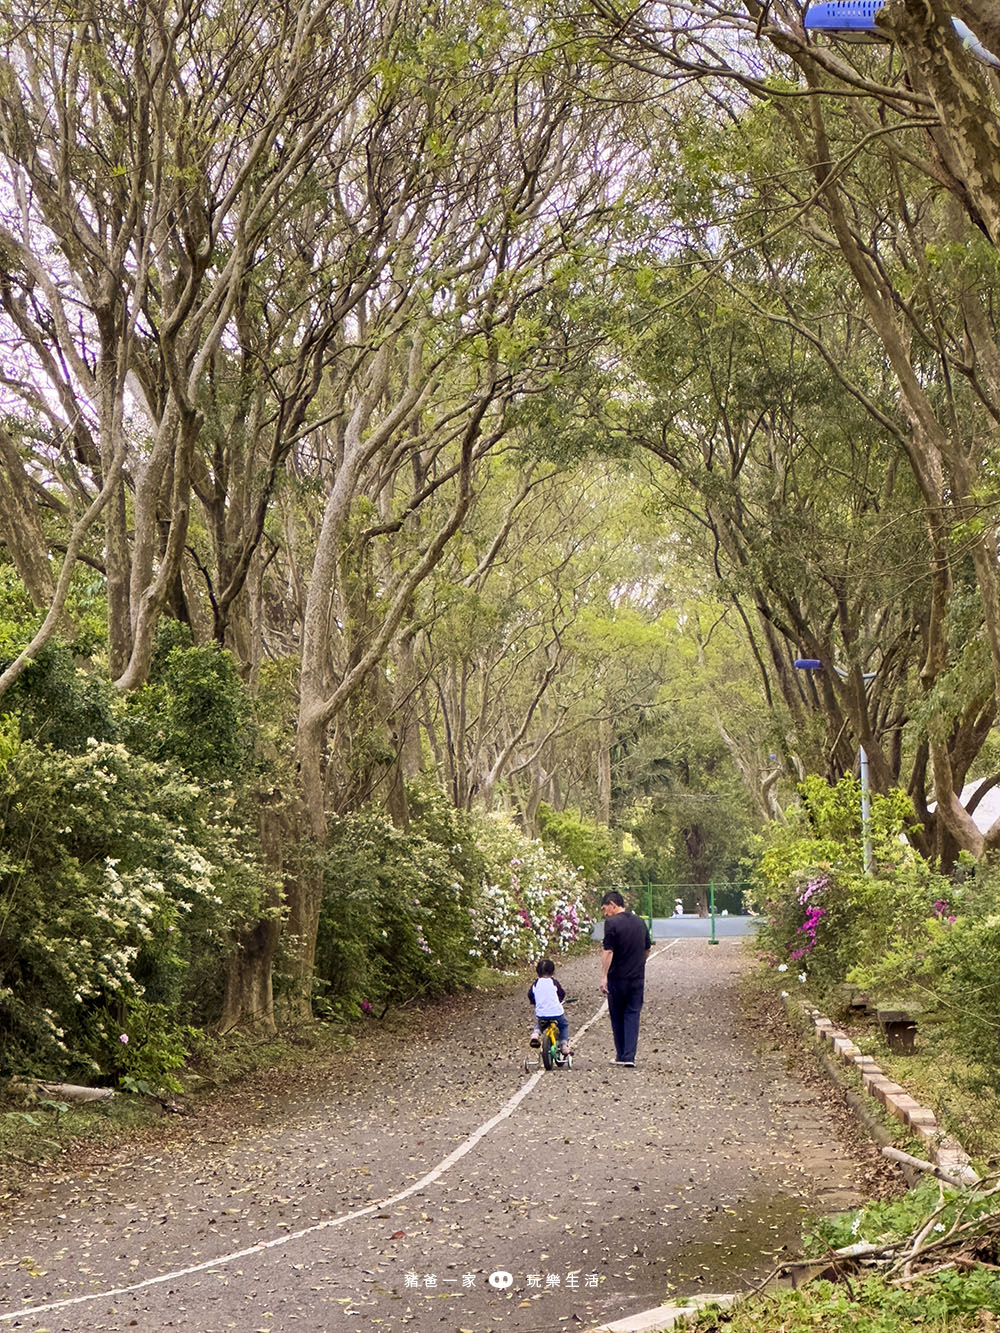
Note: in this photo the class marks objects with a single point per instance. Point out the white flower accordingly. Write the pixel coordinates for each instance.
(939, 1227)
(784, 995)
(782, 967)
(802, 976)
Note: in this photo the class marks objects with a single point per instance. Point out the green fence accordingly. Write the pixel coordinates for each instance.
(651, 900)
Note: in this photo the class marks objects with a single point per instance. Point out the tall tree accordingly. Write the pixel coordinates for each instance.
(886, 191)
(152, 156)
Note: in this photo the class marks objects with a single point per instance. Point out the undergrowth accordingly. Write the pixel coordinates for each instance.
(926, 1260)
(952, 1302)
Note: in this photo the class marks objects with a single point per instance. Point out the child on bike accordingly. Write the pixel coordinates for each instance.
(547, 996)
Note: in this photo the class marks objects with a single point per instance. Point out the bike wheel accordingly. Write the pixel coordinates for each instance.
(548, 1060)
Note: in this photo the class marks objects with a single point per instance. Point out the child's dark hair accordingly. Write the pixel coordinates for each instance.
(545, 967)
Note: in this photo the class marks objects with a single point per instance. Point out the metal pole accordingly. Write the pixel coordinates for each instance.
(866, 809)
(711, 908)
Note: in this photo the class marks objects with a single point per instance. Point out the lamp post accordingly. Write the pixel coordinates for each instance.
(814, 664)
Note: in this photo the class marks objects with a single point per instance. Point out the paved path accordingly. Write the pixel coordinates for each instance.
(386, 1193)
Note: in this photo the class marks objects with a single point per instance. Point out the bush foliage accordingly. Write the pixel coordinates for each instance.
(950, 968)
(588, 846)
(823, 915)
(131, 863)
(120, 881)
(419, 912)
(907, 934)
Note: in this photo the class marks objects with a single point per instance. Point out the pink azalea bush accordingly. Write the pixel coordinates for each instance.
(823, 915)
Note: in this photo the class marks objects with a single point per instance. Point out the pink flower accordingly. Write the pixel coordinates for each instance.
(124, 1039)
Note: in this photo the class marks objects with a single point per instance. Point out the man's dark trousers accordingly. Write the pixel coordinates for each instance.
(624, 1007)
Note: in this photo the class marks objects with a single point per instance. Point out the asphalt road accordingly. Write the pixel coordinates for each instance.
(386, 1189)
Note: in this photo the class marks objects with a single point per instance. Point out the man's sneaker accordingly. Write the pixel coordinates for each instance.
(536, 1038)
(629, 1064)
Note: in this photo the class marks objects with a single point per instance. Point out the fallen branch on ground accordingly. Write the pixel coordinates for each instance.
(66, 1092)
(897, 1155)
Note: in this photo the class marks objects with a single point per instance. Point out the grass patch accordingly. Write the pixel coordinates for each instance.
(220, 1061)
(969, 1303)
(966, 1108)
(930, 1265)
(34, 1136)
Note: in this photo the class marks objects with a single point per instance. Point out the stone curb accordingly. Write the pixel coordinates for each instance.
(664, 1316)
(944, 1151)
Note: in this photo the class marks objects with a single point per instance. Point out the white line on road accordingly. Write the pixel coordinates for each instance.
(434, 1174)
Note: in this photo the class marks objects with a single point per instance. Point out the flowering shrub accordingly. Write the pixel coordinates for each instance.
(407, 914)
(120, 881)
(813, 915)
(529, 904)
(950, 968)
(822, 913)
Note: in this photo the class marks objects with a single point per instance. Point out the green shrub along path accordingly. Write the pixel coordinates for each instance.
(386, 1185)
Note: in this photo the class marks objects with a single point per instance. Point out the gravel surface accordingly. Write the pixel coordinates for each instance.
(603, 1191)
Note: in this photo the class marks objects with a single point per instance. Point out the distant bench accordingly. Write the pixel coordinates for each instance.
(898, 1024)
(900, 1028)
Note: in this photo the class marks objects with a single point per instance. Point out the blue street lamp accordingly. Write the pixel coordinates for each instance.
(855, 20)
(814, 664)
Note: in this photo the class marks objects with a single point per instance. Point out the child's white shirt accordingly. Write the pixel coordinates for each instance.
(547, 1002)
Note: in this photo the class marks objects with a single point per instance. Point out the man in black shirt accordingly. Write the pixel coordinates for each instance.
(623, 975)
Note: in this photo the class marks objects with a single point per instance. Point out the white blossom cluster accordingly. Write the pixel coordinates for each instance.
(176, 885)
(529, 903)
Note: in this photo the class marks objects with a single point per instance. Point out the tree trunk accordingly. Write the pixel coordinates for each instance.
(395, 797)
(953, 78)
(605, 739)
(116, 551)
(248, 1002)
(20, 530)
(304, 895)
